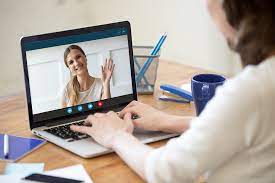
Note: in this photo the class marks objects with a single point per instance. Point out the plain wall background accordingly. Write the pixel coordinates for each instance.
(192, 37)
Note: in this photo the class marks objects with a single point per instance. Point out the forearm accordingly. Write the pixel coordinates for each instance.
(176, 124)
(106, 91)
(132, 151)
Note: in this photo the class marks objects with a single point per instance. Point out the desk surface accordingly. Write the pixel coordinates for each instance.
(106, 168)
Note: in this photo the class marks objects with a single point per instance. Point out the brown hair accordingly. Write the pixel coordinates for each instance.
(73, 87)
(254, 21)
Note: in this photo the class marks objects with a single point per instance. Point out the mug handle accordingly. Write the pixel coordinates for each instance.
(205, 91)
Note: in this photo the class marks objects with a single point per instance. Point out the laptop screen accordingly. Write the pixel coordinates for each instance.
(77, 72)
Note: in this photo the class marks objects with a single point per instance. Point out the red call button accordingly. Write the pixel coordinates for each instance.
(100, 104)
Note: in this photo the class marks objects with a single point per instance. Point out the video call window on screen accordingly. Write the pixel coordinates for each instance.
(57, 67)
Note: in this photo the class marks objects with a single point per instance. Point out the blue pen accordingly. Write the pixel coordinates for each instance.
(157, 47)
(149, 60)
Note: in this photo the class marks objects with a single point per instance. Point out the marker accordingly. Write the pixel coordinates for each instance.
(6, 146)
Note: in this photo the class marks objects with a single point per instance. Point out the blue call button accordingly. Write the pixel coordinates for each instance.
(79, 108)
(69, 110)
(90, 106)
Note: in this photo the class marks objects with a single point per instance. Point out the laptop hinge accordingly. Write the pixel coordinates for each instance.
(64, 121)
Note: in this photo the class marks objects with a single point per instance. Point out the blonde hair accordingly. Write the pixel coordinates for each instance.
(73, 87)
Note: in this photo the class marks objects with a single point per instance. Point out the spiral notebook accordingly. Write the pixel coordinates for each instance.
(19, 147)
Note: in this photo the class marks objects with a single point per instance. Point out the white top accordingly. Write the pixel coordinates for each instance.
(92, 94)
(233, 140)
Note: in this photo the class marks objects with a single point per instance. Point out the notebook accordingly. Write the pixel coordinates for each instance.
(19, 147)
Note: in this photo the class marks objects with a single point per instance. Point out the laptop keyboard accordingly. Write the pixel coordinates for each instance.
(66, 133)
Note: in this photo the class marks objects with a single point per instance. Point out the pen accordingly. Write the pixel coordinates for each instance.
(6, 146)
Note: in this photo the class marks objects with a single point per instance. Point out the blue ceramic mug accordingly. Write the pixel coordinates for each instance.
(203, 89)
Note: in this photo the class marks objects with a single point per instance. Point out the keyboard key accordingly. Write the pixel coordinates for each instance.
(66, 133)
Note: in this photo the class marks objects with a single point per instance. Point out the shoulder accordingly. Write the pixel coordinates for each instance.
(252, 83)
(246, 85)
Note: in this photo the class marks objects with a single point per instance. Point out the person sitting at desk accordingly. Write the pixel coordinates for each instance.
(83, 88)
(233, 139)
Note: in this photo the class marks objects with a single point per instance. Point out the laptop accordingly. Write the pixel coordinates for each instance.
(47, 76)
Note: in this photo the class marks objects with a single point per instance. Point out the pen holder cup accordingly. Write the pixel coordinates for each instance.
(146, 66)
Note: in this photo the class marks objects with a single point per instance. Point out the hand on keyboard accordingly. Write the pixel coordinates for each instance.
(66, 133)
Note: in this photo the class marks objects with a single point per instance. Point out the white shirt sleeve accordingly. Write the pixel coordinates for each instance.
(226, 126)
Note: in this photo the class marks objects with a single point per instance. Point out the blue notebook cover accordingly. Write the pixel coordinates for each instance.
(19, 146)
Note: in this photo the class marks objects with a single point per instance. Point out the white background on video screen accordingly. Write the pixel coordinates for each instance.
(48, 74)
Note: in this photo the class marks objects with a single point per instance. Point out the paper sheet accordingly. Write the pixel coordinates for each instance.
(74, 172)
(10, 179)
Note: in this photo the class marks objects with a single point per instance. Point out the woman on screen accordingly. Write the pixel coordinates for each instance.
(83, 88)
